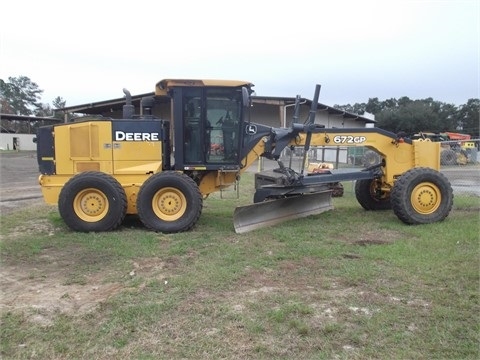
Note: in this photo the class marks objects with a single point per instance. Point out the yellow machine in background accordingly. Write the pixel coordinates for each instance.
(97, 171)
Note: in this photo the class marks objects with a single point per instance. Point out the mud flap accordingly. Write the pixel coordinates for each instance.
(268, 213)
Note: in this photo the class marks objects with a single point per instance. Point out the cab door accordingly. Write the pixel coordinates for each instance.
(207, 124)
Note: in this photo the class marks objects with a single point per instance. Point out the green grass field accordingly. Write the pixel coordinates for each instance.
(346, 284)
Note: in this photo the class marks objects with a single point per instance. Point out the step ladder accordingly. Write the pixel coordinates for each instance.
(232, 191)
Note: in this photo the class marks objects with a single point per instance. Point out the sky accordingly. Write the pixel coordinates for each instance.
(88, 51)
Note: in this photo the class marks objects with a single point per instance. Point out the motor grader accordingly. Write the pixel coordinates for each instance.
(99, 170)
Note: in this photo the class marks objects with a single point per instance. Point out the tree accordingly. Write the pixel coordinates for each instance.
(373, 106)
(355, 109)
(412, 116)
(21, 95)
(468, 117)
(59, 103)
(45, 110)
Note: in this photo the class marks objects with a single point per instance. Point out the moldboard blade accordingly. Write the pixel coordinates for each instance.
(268, 213)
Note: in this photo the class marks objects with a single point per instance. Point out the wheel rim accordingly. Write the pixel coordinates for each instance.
(426, 198)
(374, 195)
(90, 205)
(169, 204)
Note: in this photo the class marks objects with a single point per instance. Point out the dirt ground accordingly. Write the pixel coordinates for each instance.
(39, 287)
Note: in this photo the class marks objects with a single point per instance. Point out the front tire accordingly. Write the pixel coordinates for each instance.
(169, 202)
(422, 196)
(367, 197)
(371, 158)
(92, 201)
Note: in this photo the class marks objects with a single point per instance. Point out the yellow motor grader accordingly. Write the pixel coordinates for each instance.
(100, 170)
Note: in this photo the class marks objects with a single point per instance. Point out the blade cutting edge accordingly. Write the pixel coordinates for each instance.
(272, 212)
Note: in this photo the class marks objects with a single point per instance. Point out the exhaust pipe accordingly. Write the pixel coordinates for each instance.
(128, 108)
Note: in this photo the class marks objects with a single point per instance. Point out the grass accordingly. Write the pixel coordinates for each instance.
(346, 284)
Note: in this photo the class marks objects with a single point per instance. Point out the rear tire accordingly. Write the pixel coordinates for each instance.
(365, 191)
(92, 201)
(169, 202)
(422, 196)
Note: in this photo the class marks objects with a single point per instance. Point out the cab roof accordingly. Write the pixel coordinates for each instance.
(162, 87)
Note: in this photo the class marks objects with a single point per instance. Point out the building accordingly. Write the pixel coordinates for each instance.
(17, 132)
